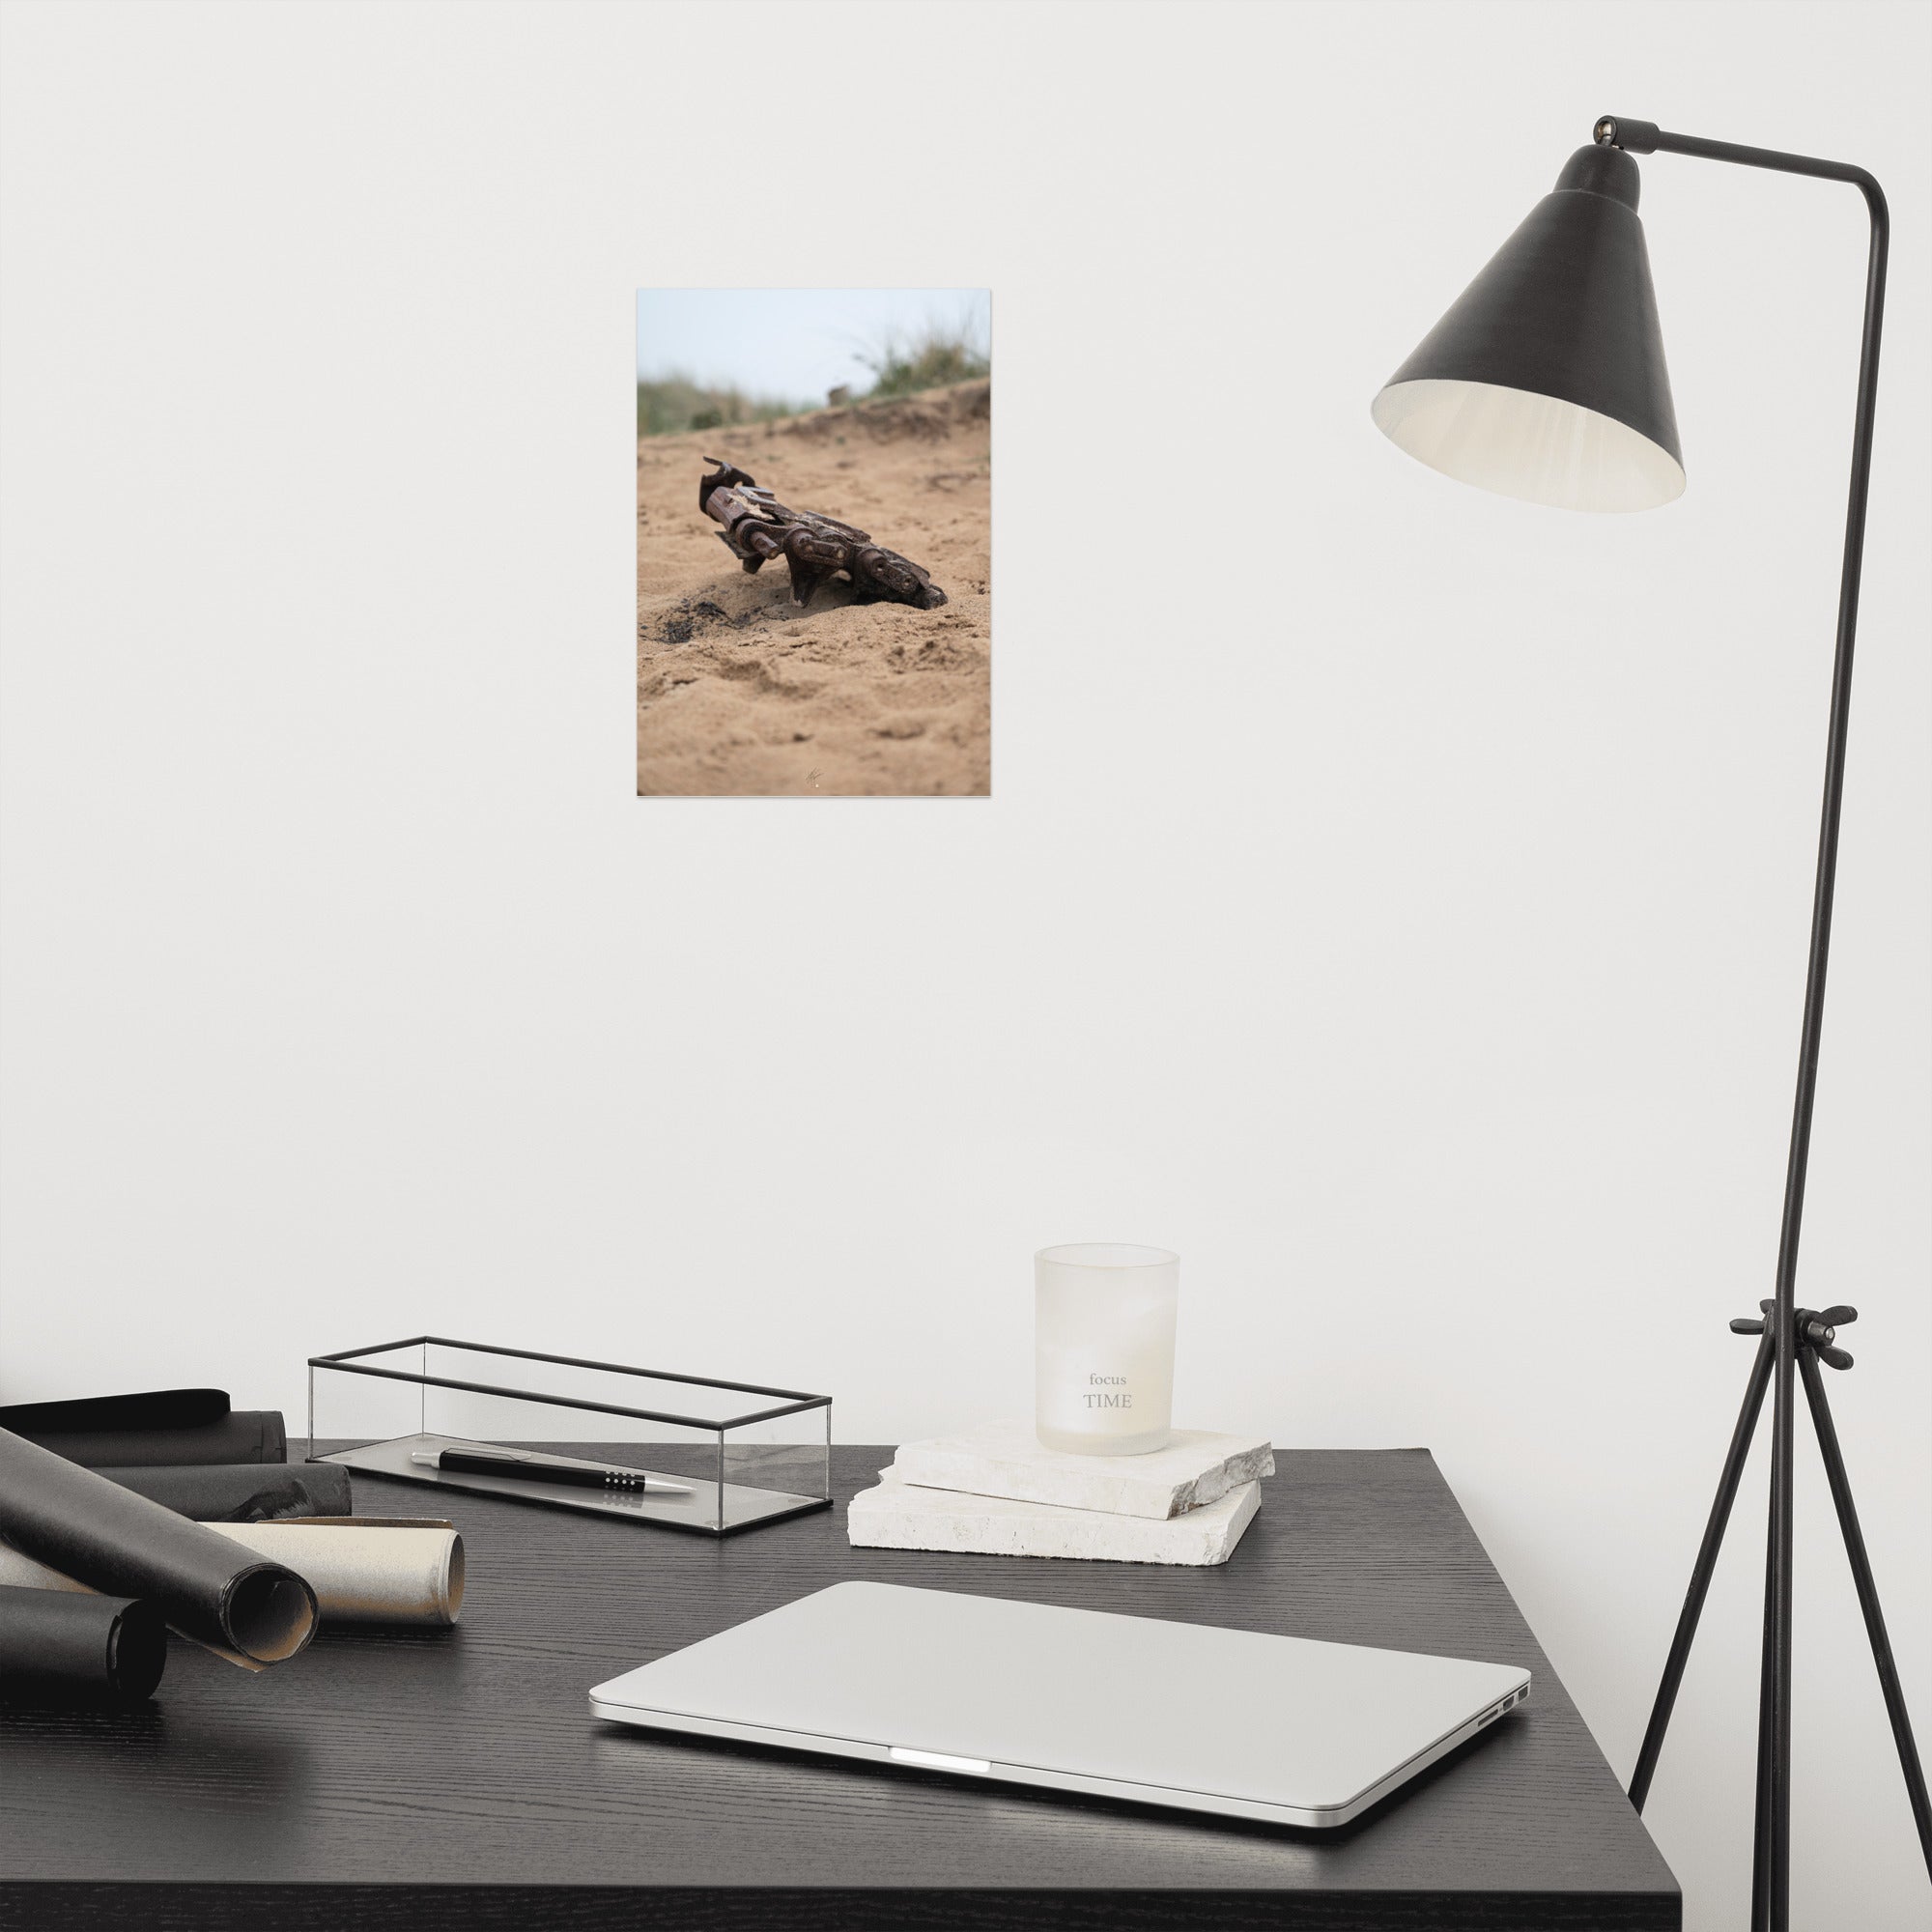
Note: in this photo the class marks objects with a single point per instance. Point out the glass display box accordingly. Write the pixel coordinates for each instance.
(721, 1456)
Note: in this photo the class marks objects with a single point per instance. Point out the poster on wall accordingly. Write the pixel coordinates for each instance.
(814, 485)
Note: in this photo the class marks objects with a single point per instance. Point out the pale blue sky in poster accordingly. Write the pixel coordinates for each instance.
(792, 343)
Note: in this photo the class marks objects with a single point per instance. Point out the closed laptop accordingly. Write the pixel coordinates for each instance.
(1190, 1716)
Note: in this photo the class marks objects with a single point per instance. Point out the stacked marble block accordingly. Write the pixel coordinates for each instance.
(996, 1491)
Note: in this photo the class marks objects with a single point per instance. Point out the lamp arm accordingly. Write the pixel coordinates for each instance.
(1645, 137)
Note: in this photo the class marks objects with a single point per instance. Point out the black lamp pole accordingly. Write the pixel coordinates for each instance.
(1546, 381)
(1796, 1346)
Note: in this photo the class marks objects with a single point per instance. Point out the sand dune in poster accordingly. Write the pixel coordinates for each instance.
(738, 693)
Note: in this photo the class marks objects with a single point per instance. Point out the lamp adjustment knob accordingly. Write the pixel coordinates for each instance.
(1818, 1330)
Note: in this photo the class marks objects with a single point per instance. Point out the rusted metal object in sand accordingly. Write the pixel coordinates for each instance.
(758, 527)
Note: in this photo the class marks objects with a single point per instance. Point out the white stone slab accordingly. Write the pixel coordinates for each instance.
(1005, 1459)
(903, 1516)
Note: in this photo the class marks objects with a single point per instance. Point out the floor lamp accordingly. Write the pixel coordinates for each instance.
(1546, 382)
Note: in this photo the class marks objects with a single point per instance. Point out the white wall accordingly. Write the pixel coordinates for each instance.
(1393, 897)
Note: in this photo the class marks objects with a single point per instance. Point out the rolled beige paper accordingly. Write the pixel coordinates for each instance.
(363, 1570)
(366, 1569)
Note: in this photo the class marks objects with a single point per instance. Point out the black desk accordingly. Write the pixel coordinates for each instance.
(455, 1779)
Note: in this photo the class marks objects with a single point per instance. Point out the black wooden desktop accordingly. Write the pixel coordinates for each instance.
(456, 1779)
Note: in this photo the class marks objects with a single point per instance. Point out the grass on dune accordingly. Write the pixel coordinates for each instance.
(673, 404)
(900, 364)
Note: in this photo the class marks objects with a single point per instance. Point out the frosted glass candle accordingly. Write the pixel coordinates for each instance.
(1103, 1348)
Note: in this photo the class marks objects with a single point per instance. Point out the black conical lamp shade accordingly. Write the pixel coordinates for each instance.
(1546, 379)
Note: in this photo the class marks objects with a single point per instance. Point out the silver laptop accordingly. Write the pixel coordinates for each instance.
(1203, 1720)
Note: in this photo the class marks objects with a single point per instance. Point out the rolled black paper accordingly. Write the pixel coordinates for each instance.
(123, 1545)
(150, 1408)
(242, 1492)
(57, 1643)
(242, 1435)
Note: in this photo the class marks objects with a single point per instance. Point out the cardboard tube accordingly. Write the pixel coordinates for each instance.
(367, 1570)
(363, 1570)
(57, 1645)
(122, 1545)
(242, 1492)
(242, 1435)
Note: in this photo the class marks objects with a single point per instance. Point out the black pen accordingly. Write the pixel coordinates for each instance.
(543, 1469)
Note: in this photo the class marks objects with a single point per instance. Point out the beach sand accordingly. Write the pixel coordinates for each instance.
(741, 695)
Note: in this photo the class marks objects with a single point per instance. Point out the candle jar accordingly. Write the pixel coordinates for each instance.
(1103, 1347)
